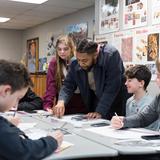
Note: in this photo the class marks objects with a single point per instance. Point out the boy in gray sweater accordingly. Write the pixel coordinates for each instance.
(149, 115)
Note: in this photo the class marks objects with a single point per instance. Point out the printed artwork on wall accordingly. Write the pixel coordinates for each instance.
(33, 55)
(152, 68)
(140, 49)
(104, 38)
(50, 43)
(134, 13)
(109, 16)
(51, 46)
(123, 41)
(127, 47)
(155, 11)
(153, 46)
(77, 31)
(136, 42)
(43, 64)
(136, 46)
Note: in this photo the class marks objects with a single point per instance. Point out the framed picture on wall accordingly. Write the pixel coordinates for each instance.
(108, 16)
(33, 55)
(134, 13)
(155, 11)
(77, 31)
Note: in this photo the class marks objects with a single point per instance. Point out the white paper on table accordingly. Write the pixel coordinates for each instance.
(36, 133)
(8, 113)
(43, 112)
(25, 126)
(38, 113)
(64, 146)
(139, 143)
(76, 123)
(120, 133)
(157, 148)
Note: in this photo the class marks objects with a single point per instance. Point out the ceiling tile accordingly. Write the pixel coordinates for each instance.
(24, 15)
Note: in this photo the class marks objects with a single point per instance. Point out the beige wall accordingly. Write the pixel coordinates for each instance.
(10, 44)
(13, 42)
(57, 27)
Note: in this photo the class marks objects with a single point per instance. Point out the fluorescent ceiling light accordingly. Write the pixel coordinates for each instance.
(31, 1)
(4, 19)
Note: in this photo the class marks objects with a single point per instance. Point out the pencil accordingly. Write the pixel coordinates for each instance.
(118, 118)
(14, 114)
(63, 125)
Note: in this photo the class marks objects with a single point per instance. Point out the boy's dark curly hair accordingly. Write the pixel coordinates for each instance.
(140, 72)
(14, 74)
(86, 46)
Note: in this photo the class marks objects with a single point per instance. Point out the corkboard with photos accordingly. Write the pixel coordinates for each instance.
(138, 43)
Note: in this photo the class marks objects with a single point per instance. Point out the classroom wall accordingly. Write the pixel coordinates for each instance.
(57, 27)
(13, 42)
(10, 44)
(153, 89)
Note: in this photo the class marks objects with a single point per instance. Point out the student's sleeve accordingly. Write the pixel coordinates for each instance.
(144, 118)
(113, 81)
(51, 89)
(128, 105)
(16, 147)
(30, 101)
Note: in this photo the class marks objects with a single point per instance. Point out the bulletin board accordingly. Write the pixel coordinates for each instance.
(137, 40)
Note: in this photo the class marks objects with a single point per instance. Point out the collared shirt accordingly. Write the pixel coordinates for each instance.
(91, 80)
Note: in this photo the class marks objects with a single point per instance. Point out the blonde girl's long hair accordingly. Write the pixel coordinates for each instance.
(65, 39)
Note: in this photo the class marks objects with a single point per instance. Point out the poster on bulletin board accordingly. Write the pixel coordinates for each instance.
(155, 11)
(136, 46)
(109, 16)
(104, 38)
(134, 13)
(124, 43)
(137, 38)
(140, 48)
(77, 31)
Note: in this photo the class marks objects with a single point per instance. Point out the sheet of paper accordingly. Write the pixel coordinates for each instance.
(25, 126)
(36, 133)
(37, 113)
(42, 113)
(64, 146)
(78, 123)
(157, 148)
(139, 143)
(134, 142)
(5, 114)
(120, 134)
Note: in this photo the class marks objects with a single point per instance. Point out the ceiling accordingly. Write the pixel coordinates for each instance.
(25, 15)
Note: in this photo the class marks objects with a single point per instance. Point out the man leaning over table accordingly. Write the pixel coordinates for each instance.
(98, 72)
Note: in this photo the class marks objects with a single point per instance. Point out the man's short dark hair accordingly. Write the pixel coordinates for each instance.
(14, 74)
(86, 46)
(140, 72)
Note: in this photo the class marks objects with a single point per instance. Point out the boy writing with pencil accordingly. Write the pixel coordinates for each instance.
(14, 144)
(147, 116)
(137, 80)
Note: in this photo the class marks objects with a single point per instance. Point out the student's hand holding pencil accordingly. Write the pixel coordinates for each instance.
(117, 122)
(58, 135)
